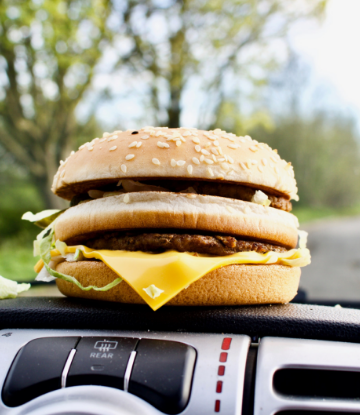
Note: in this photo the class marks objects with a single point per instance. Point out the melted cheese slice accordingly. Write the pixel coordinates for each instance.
(157, 278)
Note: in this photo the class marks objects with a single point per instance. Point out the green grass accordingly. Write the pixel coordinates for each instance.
(309, 214)
(17, 261)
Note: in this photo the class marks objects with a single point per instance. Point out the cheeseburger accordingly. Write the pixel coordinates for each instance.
(176, 217)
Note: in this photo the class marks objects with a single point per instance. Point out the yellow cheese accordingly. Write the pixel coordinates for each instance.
(157, 278)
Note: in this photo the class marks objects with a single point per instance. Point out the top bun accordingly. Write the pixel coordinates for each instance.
(178, 153)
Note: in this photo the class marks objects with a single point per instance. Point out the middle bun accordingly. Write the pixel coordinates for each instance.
(166, 210)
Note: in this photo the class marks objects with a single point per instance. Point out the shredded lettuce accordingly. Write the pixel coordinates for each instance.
(43, 245)
(68, 278)
(11, 289)
(43, 219)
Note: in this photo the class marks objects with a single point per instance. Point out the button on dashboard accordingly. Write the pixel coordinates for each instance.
(37, 369)
(162, 374)
(101, 361)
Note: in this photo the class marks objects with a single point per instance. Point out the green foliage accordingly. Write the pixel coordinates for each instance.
(48, 53)
(16, 260)
(325, 155)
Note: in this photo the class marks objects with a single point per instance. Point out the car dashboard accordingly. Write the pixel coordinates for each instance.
(66, 356)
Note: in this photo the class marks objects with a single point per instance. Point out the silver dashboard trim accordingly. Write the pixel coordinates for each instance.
(66, 369)
(128, 370)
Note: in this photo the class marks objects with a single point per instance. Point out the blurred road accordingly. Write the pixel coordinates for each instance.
(334, 273)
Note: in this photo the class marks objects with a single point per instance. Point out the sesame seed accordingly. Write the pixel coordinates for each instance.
(190, 169)
(202, 158)
(182, 139)
(197, 149)
(73, 152)
(61, 162)
(207, 145)
(196, 140)
(173, 162)
(126, 199)
(139, 144)
(276, 170)
(117, 132)
(230, 159)
(253, 148)
(220, 150)
(102, 140)
(178, 143)
(225, 166)
(191, 195)
(90, 148)
(112, 138)
(248, 164)
(159, 133)
(180, 162)
(243, 166)
(196, 160)
(214, 158)
(160, 144)
(205, 152)
(254, 162)
(106, 135)
(275, 160)
(129, 156)
(214, 151)
(144, 137)
(209, 161)
(230, 209)
(230, 172)
(135, 132)
(216, 143)
(261, 168)
(233, 146)
(264, 162)
(210, 172)
(221, 159)
(133, 144)
(113, 148)
(123, 168)
(186, 133)
(156, 161)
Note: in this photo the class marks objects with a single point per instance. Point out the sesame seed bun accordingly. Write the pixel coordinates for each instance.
(174, 154)
(165, 210)
(230, 285)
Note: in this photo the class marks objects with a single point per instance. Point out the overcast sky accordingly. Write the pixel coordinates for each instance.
(333, 49)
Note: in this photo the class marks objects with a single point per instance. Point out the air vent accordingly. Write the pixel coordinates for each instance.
(313, 383)
(307, 377)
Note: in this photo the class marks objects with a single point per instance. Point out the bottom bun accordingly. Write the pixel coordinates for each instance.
(229, 285)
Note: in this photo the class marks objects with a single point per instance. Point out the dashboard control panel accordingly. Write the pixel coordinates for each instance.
(97, 372)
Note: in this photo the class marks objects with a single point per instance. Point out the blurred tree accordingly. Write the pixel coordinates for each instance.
(326, 158)
(51, 49)
(48, 51)
(322, 145)
(208, 47)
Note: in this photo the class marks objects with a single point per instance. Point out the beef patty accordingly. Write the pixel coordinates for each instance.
(159, 242)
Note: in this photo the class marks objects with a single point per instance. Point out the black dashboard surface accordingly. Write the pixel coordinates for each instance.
(289, 320)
